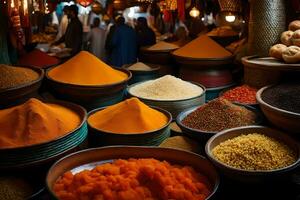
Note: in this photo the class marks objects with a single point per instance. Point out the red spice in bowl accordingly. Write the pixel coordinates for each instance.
(242, 94)
(134, 179)
(37, 58)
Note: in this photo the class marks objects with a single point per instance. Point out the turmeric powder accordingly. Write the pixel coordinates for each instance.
(130, 116)
(35, 122)
(202, 47)
(86, 69)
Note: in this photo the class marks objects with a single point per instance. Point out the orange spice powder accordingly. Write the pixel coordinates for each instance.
(35, 122)
(86, 69)
(202, 47)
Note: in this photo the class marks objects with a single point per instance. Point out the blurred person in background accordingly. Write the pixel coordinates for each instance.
(96, 37)
(145, 35)
(63, 23)
(74, 33)
(124, 44)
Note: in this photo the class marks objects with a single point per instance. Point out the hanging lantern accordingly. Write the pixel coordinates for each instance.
(194, 12)
(97, 7)
(85, 3)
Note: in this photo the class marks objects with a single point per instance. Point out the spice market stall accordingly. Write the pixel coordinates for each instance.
(182, 130)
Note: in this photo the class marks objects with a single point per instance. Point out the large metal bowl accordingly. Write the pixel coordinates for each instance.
(87, 159)
(251, 175)
(283, 119)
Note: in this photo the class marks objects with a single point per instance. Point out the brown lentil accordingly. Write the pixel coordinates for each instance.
(14, 76)
(13, 188)
(218, 115)
(254, 152)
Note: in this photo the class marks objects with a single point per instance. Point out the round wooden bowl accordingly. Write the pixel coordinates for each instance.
(201, 135)
(152, 138)
(90, 97)
(251, 176)
(87, 159)
(142, 75)
(283, 119)
(37, 154)
(173, 106)
(20, 94)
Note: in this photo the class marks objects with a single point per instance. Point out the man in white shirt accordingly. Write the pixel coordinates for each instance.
(63, 23)
(96, 37)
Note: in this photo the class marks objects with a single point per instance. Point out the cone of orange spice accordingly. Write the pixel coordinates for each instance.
(242, 94)
(134, 179)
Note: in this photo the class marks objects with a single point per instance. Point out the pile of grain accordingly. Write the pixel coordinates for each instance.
(163, 46)
(139, 66)
(254, 152)
(166, 88)
(15, 76)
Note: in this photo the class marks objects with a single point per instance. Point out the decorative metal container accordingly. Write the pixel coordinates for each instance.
(267, 22)
(230, 5)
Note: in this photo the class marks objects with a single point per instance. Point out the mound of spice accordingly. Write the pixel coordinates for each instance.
(254, 152)
(166, 88)
(160, 46)
(202, 47)
(86, 69)
(284, 96)
(128, 117)
(134, 179)
(15, 76)
(38, 58)
(14, 188)
(139, 66)
(218, 115)
(35, 122)
(242, 94)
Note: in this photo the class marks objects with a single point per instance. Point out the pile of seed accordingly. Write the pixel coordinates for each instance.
(218, 115)
(13, 188)
(15, 76)
(254, 152)
(284, 96)
(166, 88)
(139, 66)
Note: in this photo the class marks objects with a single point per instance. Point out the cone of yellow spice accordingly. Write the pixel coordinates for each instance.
(86, 69)
(128, 117)
(35, 122)
(201, 48)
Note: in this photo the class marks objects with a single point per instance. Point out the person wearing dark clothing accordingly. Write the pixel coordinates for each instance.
(124, 44)
(74, 33)
(145, 35)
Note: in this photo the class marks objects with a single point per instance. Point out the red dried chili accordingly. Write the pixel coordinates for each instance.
(242, 94)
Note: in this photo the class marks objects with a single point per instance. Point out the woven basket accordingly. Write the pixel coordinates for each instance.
(267, 22)
(230, 5)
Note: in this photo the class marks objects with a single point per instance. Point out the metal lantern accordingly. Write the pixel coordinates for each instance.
(97, 7)
(85, 3)
(230, 5)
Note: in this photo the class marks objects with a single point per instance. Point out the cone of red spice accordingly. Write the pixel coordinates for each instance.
(37, 58)
(242, 94)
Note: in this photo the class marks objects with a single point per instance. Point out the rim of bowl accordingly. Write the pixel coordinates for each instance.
(127, 72)
(70, 106)
(40, 72)
(225, 59)
(253, 172)
(262, 102)
(147, 50)
(215, 186)
(165, 112)
(259, 118)
(164, 100)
